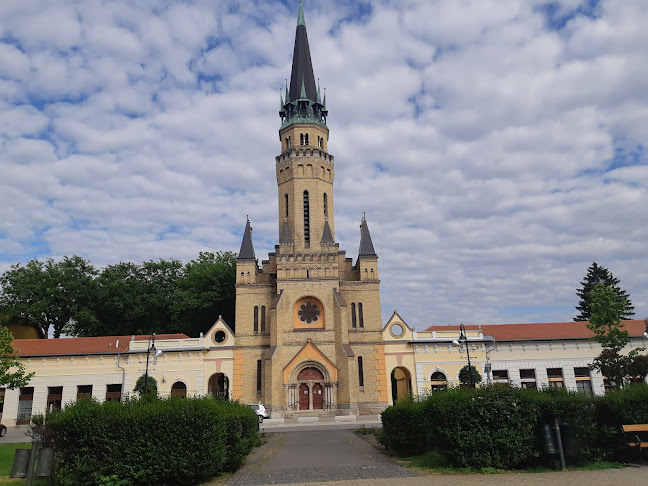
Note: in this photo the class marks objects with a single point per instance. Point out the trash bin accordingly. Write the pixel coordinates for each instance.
(548, 440)
(45, 461)
(568, 433)
(20, 464)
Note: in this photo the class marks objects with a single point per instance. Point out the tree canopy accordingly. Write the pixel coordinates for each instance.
(465, 375)
(605, 322)
(162, 296)
(151, 386)
(597, 274)
(12, 372)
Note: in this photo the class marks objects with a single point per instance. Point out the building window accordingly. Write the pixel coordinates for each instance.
(360, 316)
(179, 389)
(303, 139)
(555, 377)
(84, 391)
(256, 319)
(286, 206)
(113, 393)
(259, 377)
(54, 397)
(325, 206)
(528, 378)
(263, 322)
(500, 376)
(306, 219)
(438, 381)
(288, 142)
(360, 372)
(25, 402)
(583, 380)
(306, 138)
(353, 316)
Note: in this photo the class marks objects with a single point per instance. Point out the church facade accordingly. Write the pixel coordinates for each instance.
(308, 319)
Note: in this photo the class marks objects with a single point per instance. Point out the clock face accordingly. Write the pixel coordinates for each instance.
(308, 312)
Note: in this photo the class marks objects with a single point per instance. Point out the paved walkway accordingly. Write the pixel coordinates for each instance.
(315, 455)
(335, 457)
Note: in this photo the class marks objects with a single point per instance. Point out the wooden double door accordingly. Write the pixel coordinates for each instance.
(311, 396)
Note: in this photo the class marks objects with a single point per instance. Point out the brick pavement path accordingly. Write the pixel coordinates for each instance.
(309, 456)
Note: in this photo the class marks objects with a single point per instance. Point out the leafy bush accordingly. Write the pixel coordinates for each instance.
(498, 427)
(145, 442)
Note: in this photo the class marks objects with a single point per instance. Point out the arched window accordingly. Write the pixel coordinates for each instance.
(259, 377)
(306, 139)
(360, 372)
(360, 316)
(438, 381)
(353, 316)
(325, 206)
(286, 206)
(306, 219)
(263, 323)
(179, 389)
(256, 319)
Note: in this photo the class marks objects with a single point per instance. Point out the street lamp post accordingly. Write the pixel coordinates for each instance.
(464, 340)
(156, 352)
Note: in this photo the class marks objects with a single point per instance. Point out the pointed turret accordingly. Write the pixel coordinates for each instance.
(302, 67)
(247, 248)
(366, 245)
(327, 234)
(285, 238)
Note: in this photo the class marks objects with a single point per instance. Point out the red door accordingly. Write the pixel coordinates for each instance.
(304, 402)
(318, 397)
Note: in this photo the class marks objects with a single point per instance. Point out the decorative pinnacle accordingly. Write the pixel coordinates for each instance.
(300, 17)
(302, 95)
(282, 101)
(287, 97)
(319, 95)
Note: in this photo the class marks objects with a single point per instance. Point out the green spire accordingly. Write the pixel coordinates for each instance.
(287, 98)
(324, 103)
(303, 88)
(282, 103)
(319, 93)
(300, 18)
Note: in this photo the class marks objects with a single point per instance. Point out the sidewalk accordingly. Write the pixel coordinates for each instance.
(630, 476)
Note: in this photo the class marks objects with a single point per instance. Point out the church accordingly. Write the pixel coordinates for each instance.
(308, 319)
(309, 334)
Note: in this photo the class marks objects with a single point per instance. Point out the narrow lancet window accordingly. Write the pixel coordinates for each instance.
(286, 206)
(360, 372)
(325, 206)
(306, 219)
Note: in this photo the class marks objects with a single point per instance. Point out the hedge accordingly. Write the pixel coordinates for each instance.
(150, 441)
(499, 427)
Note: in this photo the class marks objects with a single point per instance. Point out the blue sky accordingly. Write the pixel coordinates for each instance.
(496, 146)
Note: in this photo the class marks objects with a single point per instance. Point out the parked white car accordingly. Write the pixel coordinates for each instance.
(260, 410)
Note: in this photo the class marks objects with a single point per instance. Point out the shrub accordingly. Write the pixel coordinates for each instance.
(145, 442)
(405, 428)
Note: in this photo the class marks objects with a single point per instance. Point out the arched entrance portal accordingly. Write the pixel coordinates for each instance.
(401, 382)
(219, 385)
(311, 390)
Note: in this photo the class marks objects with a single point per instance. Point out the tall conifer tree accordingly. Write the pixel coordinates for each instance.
(597, 274)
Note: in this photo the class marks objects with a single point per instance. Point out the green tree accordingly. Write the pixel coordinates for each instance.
(12, 372)
(605, 322)
(465, 375)
(597, 274)
(207, 290)
(151, 386)
(50, 294)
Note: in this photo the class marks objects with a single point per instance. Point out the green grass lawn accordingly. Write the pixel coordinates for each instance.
(7, 452)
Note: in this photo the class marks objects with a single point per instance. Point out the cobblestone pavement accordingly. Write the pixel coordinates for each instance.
(340, 458)
(631, 476)
(311, 456)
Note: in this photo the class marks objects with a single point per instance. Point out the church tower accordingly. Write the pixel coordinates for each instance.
(308, 320)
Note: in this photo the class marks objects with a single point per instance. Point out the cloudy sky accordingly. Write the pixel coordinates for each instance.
(496, 146)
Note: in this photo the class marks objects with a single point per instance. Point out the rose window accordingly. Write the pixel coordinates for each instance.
(309, 312)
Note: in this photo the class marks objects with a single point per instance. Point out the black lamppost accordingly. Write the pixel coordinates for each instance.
(156, 352)
(464, 340)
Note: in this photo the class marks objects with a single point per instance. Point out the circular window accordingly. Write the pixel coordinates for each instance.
(220, 336)
(308, 312)
(397, 330)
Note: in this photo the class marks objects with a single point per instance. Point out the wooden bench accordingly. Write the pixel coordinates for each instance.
(637, 437)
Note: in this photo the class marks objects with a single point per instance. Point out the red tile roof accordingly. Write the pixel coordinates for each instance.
(81, 345)
(545, 330)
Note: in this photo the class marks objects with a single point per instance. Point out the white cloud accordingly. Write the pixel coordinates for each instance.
(480, 142)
